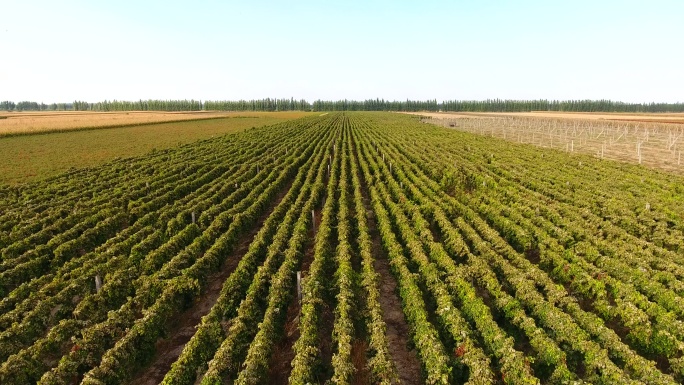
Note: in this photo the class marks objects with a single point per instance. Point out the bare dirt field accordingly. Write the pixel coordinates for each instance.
(640, 117)
(18, 123)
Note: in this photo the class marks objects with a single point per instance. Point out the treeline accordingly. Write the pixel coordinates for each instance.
(376, 105)
(499, 105)
(268, 104)
(140, 105)
(495, 105)
(34, 106)
(259, 105)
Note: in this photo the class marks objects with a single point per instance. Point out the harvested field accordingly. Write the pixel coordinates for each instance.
(18, 123)
(25, 158)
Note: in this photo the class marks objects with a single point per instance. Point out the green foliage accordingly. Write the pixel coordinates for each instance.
(519, 281)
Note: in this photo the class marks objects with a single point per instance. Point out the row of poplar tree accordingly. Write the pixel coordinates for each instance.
(268, 104)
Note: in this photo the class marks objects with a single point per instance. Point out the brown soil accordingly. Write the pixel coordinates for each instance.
(358, 356)
(183, 327)
(279, 365)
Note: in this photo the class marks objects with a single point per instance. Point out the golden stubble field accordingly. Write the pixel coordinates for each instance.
(654, 140)
(35, 155)
(19, 123)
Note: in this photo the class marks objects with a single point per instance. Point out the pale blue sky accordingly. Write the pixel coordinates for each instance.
(59, 51)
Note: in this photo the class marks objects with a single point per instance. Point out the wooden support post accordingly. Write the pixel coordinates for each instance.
(313, 221)
(299, 286)
(98, 283)
(193, 217)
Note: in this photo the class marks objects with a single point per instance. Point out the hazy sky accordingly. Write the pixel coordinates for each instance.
(60, 51)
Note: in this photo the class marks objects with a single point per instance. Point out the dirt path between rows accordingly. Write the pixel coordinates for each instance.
(184, 326)
(405, 359)
(280, 363)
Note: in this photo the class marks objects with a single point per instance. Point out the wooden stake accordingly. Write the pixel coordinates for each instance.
(313, 221)
(299, 286)
(193, 217)
(98, 283)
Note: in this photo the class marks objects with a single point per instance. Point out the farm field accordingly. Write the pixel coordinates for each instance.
(30, 122)
(616, 116)
(655, 140)
(31, 157)
(426, 255)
